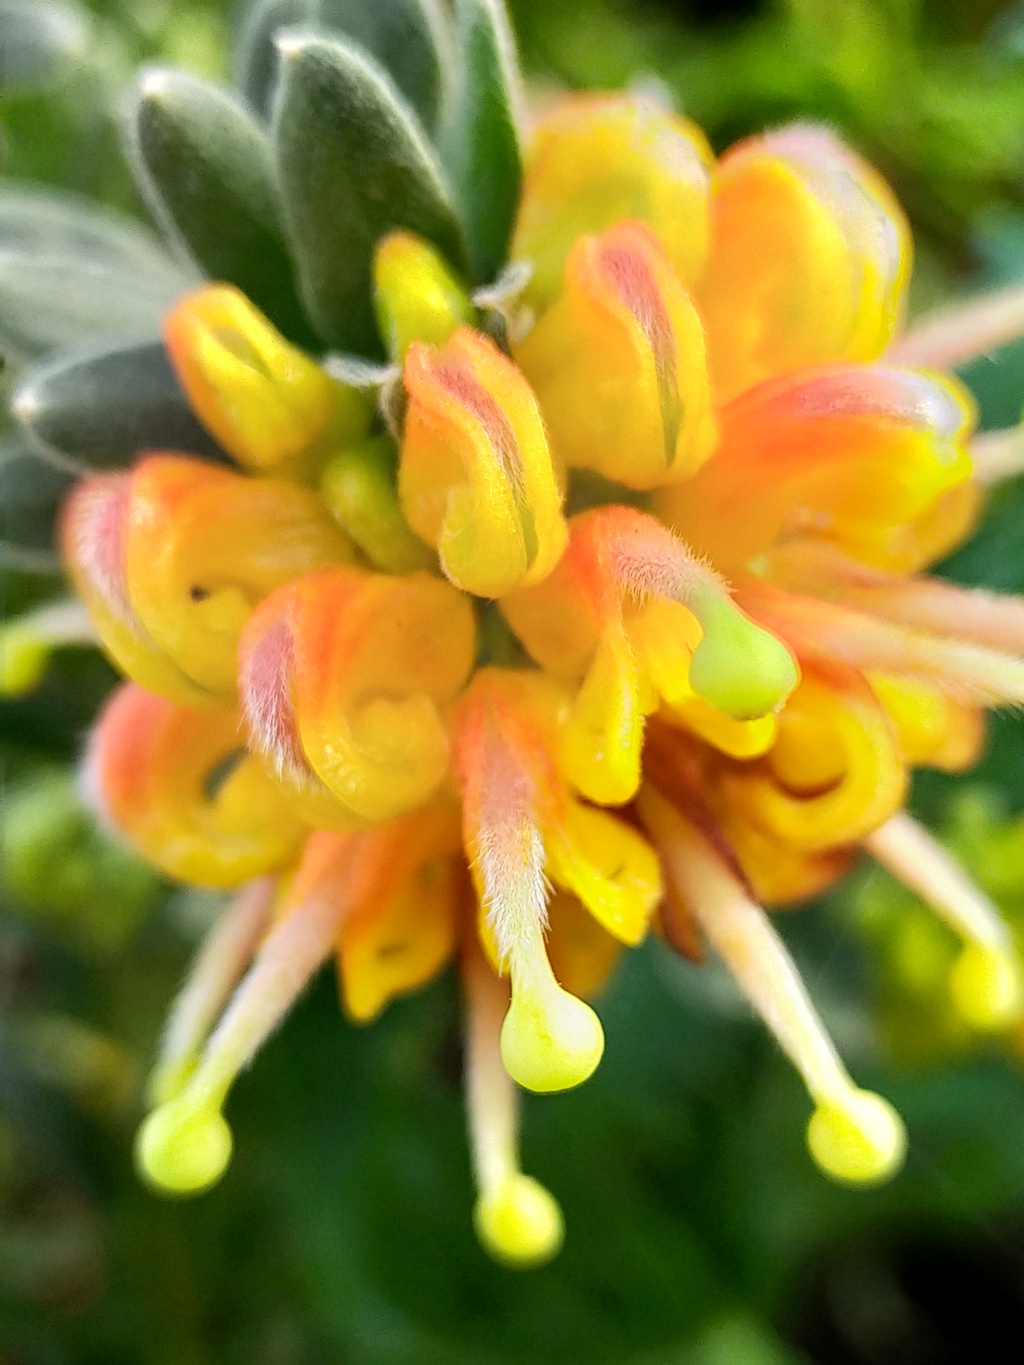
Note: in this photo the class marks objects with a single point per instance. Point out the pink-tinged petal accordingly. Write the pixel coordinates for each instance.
(857, 455)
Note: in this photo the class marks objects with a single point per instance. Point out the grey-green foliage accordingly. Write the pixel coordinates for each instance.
(101, 409)
(73, 273)
(257, 61)
(481, 139)
(205, 169)
(353, 164)
(31, 490)
(407, 37)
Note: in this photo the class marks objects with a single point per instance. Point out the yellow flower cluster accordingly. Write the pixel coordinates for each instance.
(607, 617)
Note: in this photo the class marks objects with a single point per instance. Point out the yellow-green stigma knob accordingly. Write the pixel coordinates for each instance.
(858, 1139)
(519, 1222)
(550, 1040)
(986, 987)
(738, 667)
(183, 1148)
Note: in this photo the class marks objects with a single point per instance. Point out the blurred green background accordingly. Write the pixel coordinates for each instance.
(699, 1233)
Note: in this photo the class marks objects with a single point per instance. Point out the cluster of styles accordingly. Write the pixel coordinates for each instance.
(550, 573)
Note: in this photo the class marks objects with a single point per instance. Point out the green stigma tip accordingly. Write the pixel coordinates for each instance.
(859, 1140)
(181, 1149)
(550, 1040)
(519, 1223)
(986, 988)
(739, 667)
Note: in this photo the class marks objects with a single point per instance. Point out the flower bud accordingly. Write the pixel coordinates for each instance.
(359, 487)
(597, 160)
(262, 398)
(476, 478)
(808, 262)
(618, 364)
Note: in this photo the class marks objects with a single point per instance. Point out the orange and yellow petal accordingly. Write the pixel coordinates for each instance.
(342, 675)
(808, 260)
(475, 478)
(598, 160)
(264, 400)
(618, 364)
(181, 787)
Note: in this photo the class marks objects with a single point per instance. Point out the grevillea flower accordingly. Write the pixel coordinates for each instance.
(599, 610)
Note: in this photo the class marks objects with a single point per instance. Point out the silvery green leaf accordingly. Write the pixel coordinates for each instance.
(481, 141)
(257, 60)
(37, 38)
(72, 272)
(102, 408)
(406, 36)
(353, 164)
(31, 491)
(50, 222)
(204, 167)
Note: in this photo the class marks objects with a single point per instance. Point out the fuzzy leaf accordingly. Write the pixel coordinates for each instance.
(204, 167)
(72, 273)
(37, 39)
(353, 164)
(257, 62)
(101, 409)
(481, 141)
(405, 36)
(31, 490)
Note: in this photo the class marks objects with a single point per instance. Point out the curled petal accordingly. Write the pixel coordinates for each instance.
(93, 533)
(583, 953)
(597, 160)
(476, 478)
(808, 262)
(264, 401)
(179, 785)
(934, 730)
(689, 774)
(853, 455)
(618, 364)
(609, 867)
(834, 772)
(203, 546)
(341, 676)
